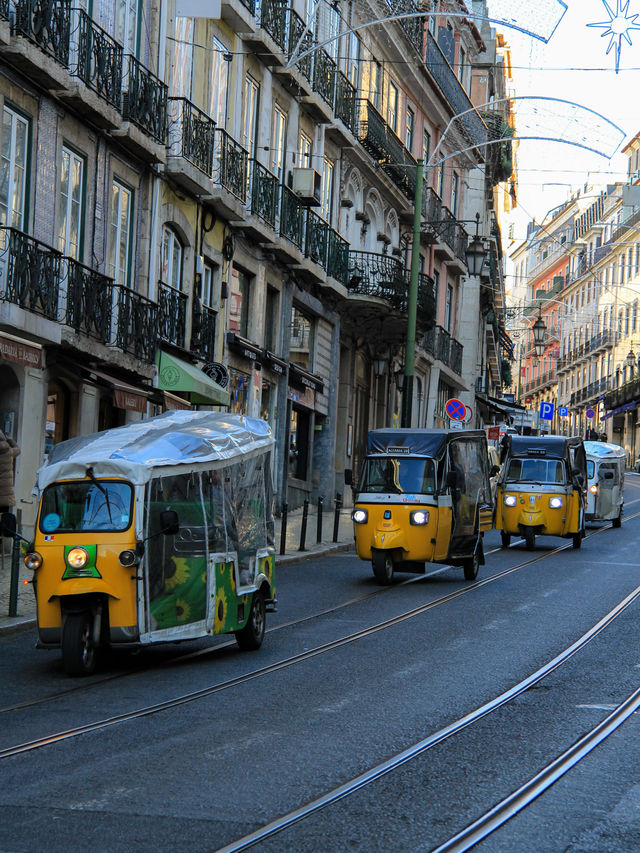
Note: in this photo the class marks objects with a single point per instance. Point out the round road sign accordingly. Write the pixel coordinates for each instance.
(590, 413)
(455, 409)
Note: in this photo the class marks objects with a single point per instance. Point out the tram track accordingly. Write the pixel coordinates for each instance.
(308, 654)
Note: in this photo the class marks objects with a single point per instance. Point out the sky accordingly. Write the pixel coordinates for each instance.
(574, 66)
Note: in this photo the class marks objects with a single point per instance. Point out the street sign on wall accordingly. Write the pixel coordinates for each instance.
(546, 411)
(563, 411)
(456, 409)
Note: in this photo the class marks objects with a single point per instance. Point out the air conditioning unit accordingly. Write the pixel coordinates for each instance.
(307, 185)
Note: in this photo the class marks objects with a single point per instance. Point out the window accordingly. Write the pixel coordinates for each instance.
(250, 116)
(278, 141)
(327, 189)
(69, 213)
(409, 128)
(462, 58)
(376, 78)
(127, 25)
(119, 235)
(353, 70)
(392, 107)
(182, 58)
(219, 83)
(208, 285)
(448, 309)
(301, 344)
(14, 160)
(455, 188)
(305, 146)
(271, 320)
(171, 259)
(426, 146)
(239, 302)
(441, 179)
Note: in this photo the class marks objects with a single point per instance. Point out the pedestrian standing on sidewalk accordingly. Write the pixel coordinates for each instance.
(8, 452)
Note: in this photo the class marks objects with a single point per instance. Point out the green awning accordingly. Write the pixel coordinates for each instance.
(174, 374)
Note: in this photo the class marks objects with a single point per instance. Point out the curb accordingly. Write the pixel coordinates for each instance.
(22, 623)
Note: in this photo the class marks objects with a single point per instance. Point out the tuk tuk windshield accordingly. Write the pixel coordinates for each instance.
(398, 475)
(536, 471)
(86, 505)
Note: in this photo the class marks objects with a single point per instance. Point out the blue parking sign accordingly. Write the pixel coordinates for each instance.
(546, 411)
(563, 411)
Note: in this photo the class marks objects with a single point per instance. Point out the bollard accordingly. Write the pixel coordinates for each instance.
(15, 571)
(303, 529)
(336, 517)
(319, 520)
(283, 527)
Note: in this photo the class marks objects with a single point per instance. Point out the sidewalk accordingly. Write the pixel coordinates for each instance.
(26, 607)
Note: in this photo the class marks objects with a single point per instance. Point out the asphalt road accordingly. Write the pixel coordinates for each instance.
(200, 775)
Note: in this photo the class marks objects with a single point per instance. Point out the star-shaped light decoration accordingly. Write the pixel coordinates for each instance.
(618, 27)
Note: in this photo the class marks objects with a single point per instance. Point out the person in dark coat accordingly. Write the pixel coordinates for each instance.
(8, 452)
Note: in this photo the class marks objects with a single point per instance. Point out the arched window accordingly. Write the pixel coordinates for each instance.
(171, 259)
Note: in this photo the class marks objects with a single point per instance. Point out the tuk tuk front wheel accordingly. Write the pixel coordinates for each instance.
(471, 566)
(251, 636)
(382, 563)
(617, 522)
(78, 649)
(577, 540)
(505, 538)
(529, 538)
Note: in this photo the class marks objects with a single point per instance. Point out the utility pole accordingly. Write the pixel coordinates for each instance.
(412, 303)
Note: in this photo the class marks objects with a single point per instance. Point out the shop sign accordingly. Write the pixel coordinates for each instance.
(123, 399)
(20, 352)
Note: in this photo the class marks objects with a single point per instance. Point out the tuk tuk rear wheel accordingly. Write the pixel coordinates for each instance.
(617, 522)
(78, 649)
(382, 563)
(529, 538)
(577, 540)
(471, 566)
(251, 636)
(505, 538)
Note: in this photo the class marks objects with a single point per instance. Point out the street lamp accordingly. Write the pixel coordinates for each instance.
(476, 252)
(630, 360)
(539, 335)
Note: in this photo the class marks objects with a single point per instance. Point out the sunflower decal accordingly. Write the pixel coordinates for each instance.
(183, 610)
(180, 575)
(222, 606)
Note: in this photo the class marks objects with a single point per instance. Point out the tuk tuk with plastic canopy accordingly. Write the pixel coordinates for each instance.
(605, 481)
(423, 496)
(541, 488)
(153, 532)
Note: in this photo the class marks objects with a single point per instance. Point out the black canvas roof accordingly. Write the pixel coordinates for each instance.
(417, 442)
(555, 446)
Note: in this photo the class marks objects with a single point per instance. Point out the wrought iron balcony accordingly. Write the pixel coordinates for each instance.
(204, 343)
(455, 356)
(99, 60)
(454, 234)
(431, 205)
(372, 129)
(346, 98)
(316, 238)
(337, 257)
(374, 274)
(295, 29)
(324, 77)
(426, 300)
(191, 134)
(46, 23)
(172, 313)
(291, 218)
(4, 10)
(29, 273)
(471, 123)
(89, 296)
(144, 101)
(386, 147)
(442, 345)
(135, 329)
(230, 164)
(265, 194)
(273, 18)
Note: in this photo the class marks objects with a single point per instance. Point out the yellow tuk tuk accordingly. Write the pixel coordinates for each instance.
(423, 495)
(541, 488)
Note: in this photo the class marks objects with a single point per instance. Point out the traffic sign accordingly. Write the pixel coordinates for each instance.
(590, 413)
(468, 414)
(455, 409)
(546, 411)
(563, 411)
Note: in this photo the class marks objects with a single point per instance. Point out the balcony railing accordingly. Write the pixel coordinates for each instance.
(30, 273)
(454, 93)
(204, 342)
(324, 77)
(346, 98)
(455, 361)
(316, 242)
(265, 194)
(291, 218)
(191, 134)
(46, 23)
(135, 330)
(372, 129)
(337, 257)
(99, 61)
(172, 313)
(88, 300)
(230, 164)
(144, 103)
(273, 17)
(294, 31)
(374, 274)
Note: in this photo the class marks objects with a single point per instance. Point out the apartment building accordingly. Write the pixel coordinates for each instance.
(218, 212)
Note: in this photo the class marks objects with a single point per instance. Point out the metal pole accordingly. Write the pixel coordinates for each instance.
(15, 570)
(412, 303)
(336, 517)
(319, 521)
(283, 527)
(303, 529)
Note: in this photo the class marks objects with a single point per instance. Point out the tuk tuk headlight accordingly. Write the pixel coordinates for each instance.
(419, 516)
(593, 489)
(360, 516)
(510, 500)
(77, 558)
(555, 503)
(33, 560)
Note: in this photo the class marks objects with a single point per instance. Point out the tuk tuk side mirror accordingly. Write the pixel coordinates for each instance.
(169, 522)
(8, 525)
(348, 476)
(495, 469)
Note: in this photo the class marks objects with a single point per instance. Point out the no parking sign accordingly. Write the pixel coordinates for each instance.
(456, 409)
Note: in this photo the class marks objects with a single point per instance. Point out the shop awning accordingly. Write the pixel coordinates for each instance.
(627, 407)
(174, 374)
(125, 396)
